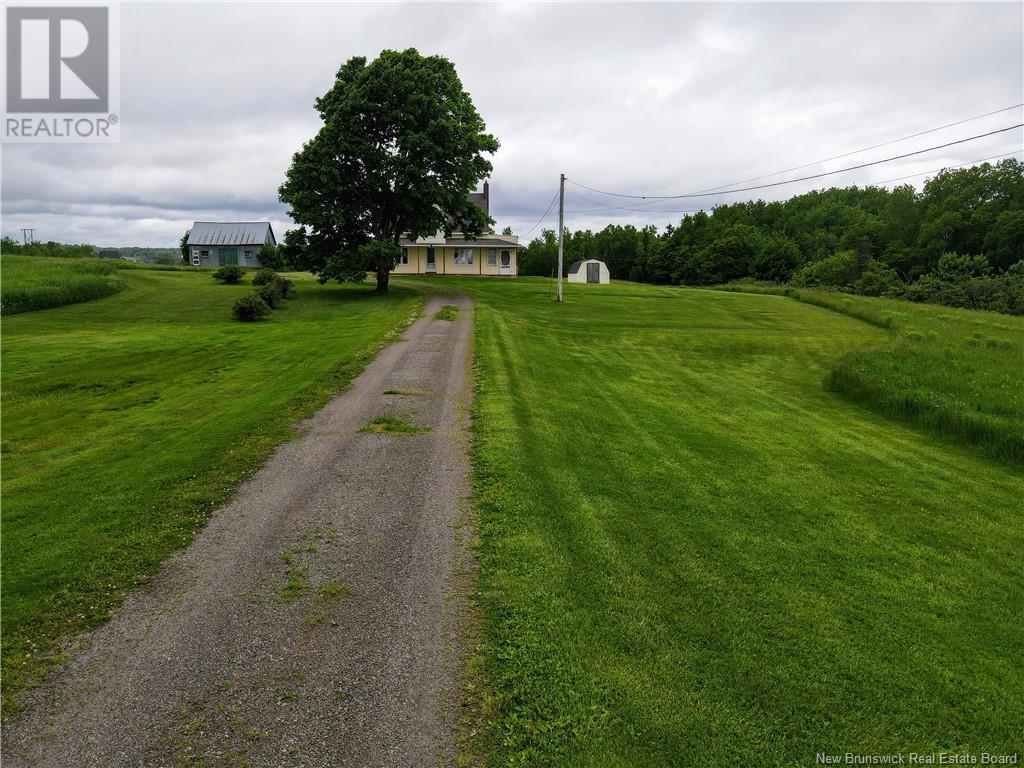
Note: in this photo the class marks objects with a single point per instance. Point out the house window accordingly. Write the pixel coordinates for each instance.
(463, 256)
(492, 257)
(248, 254)
(404, 258)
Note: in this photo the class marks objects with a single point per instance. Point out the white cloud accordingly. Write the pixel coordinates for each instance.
(657, 99)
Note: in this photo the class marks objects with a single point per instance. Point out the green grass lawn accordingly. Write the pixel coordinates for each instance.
(128, 419)
(693, 552)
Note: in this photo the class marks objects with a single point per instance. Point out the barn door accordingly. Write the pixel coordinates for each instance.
(593, 273)
(228, 256)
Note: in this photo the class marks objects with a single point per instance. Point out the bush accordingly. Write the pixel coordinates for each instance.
(836, 271)
(878, 280)
(285, 285)
(264, 276)
(953, 266)
(250, 308)
(270, 293)
(229, 274)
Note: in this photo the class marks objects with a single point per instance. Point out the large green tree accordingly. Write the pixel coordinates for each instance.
(400, 149)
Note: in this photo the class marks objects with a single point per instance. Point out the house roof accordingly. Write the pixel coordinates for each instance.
(479, 199)
(484, 242)
(230, 233)
(575, 266)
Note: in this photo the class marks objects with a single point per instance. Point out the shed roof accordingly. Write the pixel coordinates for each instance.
(575, 266)
(230, 233)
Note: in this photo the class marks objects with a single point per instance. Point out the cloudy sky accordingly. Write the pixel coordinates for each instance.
(655, 99)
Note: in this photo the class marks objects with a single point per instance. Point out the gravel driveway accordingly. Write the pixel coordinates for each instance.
(315, 620)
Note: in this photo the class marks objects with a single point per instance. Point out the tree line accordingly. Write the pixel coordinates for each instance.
(965, 228)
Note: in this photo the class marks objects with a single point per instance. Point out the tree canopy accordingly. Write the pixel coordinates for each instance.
(400, 149)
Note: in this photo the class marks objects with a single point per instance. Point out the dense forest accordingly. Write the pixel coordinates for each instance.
(959, 241)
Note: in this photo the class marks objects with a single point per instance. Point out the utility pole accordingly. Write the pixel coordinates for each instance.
(561, 226)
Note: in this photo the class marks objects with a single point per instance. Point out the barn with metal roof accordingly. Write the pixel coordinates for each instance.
(216, 243)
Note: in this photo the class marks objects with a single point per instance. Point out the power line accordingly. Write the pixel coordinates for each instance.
(550, 206)
(699, 210)
(947, 167)
(802, 178)
(866, 149)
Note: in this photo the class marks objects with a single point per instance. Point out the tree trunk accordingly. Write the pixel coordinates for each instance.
(382, 279)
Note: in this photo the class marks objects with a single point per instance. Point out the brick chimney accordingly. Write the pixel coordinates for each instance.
(487, 199)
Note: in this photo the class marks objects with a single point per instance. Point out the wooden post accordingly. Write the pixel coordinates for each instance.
(561, 226)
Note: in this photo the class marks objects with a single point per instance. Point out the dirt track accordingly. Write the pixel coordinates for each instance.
(315, 620)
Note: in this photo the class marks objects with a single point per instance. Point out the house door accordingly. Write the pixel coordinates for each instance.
(228, 256)
(431, 260)
(593, 273)
(506, 263)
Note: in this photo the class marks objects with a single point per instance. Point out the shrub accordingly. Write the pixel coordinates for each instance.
(877, 280)
(270, 293)
(229, 274)
(264, 276)
(250, 308)
(836, 271)
(285, 285)
(953, 266)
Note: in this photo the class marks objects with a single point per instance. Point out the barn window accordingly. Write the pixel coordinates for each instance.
(204, 254)
(195, 261)
(248, 254)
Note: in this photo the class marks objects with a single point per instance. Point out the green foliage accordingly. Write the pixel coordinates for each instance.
(264, 276)
(878, 279)
(776, 259)
(995, 293)
(251, 308)
(953, 266)
(111, 402)
(183, 247)
(32, 283)
(49, 248)
(400, 149)
(271, 257)
(229, 274)
(837, 271)
(285, 285)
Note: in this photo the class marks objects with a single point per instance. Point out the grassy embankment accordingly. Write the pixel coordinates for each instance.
(38, 282)
(694, 553)
(127, 420)
(956, 372)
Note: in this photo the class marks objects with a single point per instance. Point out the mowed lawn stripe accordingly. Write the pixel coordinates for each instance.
(694, 554)
(128, 419)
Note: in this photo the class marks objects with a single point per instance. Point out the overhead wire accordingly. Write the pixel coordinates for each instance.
(802, 178)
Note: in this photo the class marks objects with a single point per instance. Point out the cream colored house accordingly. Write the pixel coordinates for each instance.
(487, 255)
